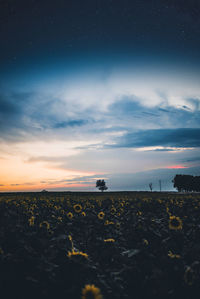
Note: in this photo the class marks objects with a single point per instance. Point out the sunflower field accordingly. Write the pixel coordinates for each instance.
(99, 245)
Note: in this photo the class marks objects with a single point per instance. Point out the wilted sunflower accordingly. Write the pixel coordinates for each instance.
(77, 208)
(101, 215)
(90, 291)
(189, 276)
(175, 223)
(70, 215)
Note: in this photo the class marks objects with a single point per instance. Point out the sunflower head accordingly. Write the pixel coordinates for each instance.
(70, 215)
(45, 224)
(175, 223)
(77, 208)
(113, 210)
(101, 215)
(91, 292)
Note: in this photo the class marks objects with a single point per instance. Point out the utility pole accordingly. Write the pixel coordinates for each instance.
(160, 185)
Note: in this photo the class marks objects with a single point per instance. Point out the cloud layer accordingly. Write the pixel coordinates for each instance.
(120, 123)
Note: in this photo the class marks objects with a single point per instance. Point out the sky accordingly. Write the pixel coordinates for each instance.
(98, 90)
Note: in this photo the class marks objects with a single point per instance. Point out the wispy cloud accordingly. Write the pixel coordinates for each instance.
(180, 138)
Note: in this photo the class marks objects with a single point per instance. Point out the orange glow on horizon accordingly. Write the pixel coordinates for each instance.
(40, 187)
(176, 167)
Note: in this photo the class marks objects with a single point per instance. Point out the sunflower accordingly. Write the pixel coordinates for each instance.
(31, 221)
(118, 224)
(173, 255)
(70, 215)
(90, 291)
(83, 214)
(139, 213)
(175, 223)
(101, 215)
(45, 223)
(189, 276)
(113, 210)
(70, 237)
(107, 222)
(77, 208)
(109, 240)
(145, 241)
(77, 253)
(167, 210)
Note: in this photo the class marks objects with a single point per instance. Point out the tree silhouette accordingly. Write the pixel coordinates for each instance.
(101, 184)
(186, 183)
(151, 186)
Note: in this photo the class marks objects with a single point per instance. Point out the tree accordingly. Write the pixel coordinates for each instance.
(151, 186)
(186, 183)
(178, 182)
(101, 184)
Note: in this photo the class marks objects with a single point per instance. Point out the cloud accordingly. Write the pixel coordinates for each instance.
(26, 116)
(96, 104)
(72, 123)
(181, 138)
(192, 159)
(164, 150)
(130, 112)
(108, 124)
(76, 180)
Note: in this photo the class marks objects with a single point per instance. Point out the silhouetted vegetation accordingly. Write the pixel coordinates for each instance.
(101, 184)
(186, 183)
(151, 186)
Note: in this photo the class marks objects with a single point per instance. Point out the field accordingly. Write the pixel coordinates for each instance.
(123, 244)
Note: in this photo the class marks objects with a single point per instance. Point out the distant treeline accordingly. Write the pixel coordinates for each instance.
(186, 183)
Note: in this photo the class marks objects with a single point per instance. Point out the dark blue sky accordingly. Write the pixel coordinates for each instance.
(96, 88)
(39, 32)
